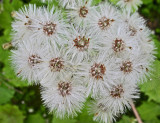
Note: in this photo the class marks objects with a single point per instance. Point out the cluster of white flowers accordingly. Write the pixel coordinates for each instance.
(98, 51)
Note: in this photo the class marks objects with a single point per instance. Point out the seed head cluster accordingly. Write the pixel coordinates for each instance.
(97, 52)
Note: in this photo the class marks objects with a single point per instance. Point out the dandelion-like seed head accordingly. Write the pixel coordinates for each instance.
(56, 64)
(49, 28)
(126, 67)
(118, 45)
(64, 88)
(81, 43)
(98, 70)
(117, 91)
(83, 11)
(104, 23)
(33, 60)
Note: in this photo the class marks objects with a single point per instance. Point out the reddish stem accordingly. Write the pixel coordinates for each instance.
(136, 113)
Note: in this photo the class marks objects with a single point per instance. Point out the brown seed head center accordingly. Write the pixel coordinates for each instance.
(104, 23)
(83, 12)
(118, 45)
(97, 71)
(126, 67)
(34, 59)
(56, 64)
(64, 88)
(117, 91)
(49, 29)
(81, 43)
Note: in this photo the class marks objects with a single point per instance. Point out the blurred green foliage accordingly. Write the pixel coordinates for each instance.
(21, 103)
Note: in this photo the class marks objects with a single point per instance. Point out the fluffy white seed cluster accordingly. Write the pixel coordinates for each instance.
(95, 51)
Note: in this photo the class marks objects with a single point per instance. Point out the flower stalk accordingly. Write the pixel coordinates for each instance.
(136, 113)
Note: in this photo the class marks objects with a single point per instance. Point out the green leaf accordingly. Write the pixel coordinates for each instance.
(55, 120)
(126, 119)
(84, 116)
(17, 4)
(4, 39)
(157, 44)
(158, 1)
(152, 86)
(5, 20)
(5, 94)
(10, 6)
(114, 1)
(35, 118)
(37, 2)
(147, 2)
(5, 16)
(95, 2)
(149, 112)
(11, 75)
(10, 114)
